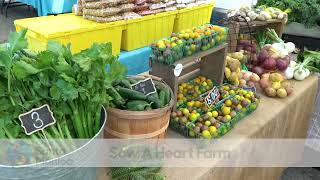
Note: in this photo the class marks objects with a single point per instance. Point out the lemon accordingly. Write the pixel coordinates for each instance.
(207, 123)
(185, 111)
(239, 106)
(248, 96)
(190, 104)
(226, 110)
(193, 117)
(197, 104)
(237, 97)
(212, 130)
(184, 85)
(206, 134)
(180, 88)
(210, 114)
(228, 103)
(215, 114)
(194, 111)
(228, 117)
(231, 92)
(251, 93)
(204, 84)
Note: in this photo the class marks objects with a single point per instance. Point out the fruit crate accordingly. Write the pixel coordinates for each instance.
(68, 28)
(167, 55)
(193, 16)
(209, 63)
(143, 31)
(222, 127)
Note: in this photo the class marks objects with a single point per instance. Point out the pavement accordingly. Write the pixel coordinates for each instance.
(6, 23)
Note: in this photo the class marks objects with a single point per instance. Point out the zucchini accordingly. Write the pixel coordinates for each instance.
(154, 99)
(117, 98)
(131, 94)
(138, 105)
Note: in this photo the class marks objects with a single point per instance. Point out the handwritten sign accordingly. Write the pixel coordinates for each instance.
(212, 97)
(37, 119)
(145, 86)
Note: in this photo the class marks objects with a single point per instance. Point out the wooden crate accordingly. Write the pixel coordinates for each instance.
(210, 63)
(236, 28)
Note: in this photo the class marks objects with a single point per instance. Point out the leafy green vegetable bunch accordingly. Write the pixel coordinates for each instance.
(306, 12)
(74, 86)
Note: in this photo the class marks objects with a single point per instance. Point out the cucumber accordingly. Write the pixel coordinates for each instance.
(162, 97)
(125, 83)
(138, 105)
(167, 96)
(133, 81)
(154, 99)
(131, 94)
(117, 98)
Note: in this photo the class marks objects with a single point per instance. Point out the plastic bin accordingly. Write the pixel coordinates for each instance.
(146, 30)
(72, 29)
(194, 16)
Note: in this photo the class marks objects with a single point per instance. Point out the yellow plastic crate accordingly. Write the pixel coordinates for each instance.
(194, 16)
(72, 29)
(146, 30)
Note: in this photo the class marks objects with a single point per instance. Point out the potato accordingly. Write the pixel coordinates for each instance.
(251, 83)
(275, 77)
(282, 93)
(227, 72)
(289, 90)
(264, 83)
(276, 85)
(233, 77)
(254, 77)
(265, 76)
(270, 92)
(243, 83)
(285, 84)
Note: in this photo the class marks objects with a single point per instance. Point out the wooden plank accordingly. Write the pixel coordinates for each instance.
(199, 55)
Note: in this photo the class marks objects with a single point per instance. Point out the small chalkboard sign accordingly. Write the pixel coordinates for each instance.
(253, 89)
(212, 97)
(37, 119)
(145, 86)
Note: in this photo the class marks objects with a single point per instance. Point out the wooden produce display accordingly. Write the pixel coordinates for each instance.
(148, 124)
(209, 63)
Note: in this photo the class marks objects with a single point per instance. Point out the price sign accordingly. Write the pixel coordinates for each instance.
(37, 119)
(145, 86)
(212, 97)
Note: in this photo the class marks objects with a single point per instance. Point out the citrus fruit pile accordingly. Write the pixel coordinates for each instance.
(191, 90)
(197, 120)
(187, 42)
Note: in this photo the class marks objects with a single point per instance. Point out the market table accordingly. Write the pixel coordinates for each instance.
(46, 7)
(274, 118)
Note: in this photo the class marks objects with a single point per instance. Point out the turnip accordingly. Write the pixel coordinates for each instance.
(269, 64)
(289, 72)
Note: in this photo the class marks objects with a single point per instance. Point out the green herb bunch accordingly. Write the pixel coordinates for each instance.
(306, 12)
(74, 86)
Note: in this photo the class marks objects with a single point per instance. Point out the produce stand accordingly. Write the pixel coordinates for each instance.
(288, 119)
(209, 63)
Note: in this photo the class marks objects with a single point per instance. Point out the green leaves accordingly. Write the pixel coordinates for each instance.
(21, 69)
(17, 41)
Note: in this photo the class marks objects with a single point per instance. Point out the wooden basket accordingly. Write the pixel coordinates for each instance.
(150, 124)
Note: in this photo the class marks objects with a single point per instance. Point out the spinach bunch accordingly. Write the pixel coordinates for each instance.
(74, 86)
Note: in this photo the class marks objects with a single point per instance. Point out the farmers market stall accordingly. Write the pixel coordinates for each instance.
(275, 118)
